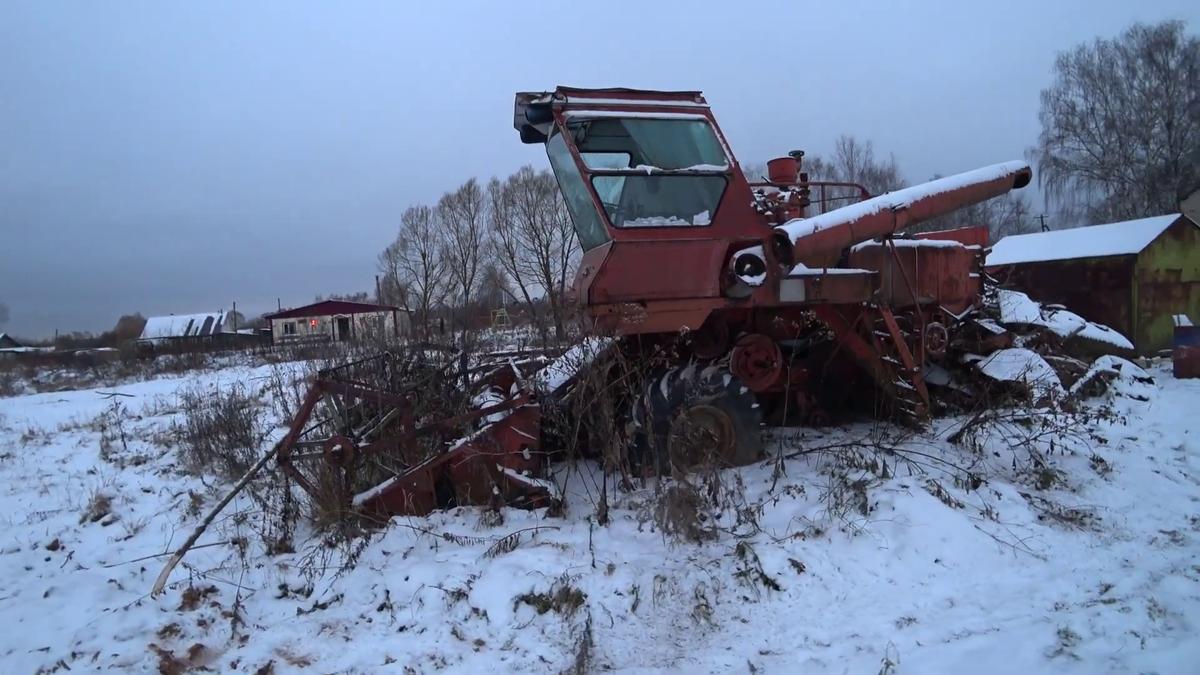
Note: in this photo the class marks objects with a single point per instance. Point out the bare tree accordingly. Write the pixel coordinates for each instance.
(852, 161)
(535, 242)
(129, 327)
(391, 289)
(1121, 124)
(417, 258)
(494, 286)
(356, 296)
(464, 236)
(754, 171)
(507, 241)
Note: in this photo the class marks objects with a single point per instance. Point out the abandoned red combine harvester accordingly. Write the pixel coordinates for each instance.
(779, 301)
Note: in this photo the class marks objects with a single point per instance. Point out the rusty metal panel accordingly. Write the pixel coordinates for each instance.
(837, 287)
(946, 276)
(657, 270)
(1186, 362)
(1168, 283)
(1098, 289)
(1186, 355)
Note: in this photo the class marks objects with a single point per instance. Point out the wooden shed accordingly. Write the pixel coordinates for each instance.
(1132, 276)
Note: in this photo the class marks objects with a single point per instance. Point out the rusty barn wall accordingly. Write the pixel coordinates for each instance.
(1167, 282)
(1098, 289)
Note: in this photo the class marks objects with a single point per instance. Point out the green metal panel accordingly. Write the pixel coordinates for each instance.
(1166, 282)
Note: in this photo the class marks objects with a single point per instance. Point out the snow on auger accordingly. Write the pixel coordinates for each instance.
(749, 303)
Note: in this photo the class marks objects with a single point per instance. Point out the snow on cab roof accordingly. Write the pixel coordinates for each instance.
(1094, 241)
(183, 325)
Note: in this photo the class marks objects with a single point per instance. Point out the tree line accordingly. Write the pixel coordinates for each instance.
(483, 246)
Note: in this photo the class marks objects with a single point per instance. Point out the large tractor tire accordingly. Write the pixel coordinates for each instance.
(696, 417)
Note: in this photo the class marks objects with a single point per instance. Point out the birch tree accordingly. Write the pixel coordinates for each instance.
(464, 237)
(1120, 123)
(534, 240)
(418, 259)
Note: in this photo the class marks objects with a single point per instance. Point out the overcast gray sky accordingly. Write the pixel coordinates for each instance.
(173, 157)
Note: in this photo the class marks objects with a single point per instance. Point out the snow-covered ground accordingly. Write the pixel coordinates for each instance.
(827, 561)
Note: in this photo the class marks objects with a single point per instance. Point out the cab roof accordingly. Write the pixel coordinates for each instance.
(533, 111)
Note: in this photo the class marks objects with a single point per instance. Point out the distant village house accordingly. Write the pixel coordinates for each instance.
(179, 327)
(338, 320)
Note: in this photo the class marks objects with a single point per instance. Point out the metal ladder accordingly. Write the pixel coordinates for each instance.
(897, 371)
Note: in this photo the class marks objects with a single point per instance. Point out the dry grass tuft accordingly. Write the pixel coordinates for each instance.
(562, 598)
(222, 430)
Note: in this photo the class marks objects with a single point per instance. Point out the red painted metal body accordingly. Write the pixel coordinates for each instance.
(942, 273)
(732, 274)
(490, 467)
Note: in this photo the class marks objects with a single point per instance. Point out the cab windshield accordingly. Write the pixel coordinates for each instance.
(651, 172)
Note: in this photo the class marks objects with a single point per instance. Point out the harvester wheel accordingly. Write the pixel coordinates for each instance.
(701, 435)
(693, 418)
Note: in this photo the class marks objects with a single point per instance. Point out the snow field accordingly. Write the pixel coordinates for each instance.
(823, 562)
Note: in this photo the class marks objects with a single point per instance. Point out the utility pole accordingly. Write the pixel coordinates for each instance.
(1042, 221)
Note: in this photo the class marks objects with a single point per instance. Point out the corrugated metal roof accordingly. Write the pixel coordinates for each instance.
(328, 307)
(1095, 241)
(204, 324)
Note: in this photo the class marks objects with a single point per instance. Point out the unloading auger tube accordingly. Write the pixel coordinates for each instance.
(819, 240)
